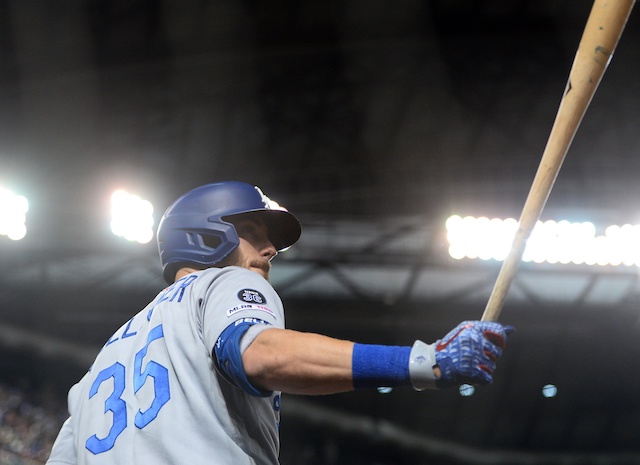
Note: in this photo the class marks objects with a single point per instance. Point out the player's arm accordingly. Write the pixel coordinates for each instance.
(299, 363)
(307, 363)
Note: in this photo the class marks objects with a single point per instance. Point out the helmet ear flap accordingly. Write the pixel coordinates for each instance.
(217, 244)
(211, 241)
(198, 247)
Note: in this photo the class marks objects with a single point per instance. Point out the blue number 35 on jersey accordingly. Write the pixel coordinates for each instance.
(117, 406)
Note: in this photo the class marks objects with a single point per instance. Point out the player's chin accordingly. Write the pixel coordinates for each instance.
(262, 273)
(261, 270)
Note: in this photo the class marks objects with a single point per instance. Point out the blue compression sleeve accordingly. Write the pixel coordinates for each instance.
(377, 365)
(229, 359)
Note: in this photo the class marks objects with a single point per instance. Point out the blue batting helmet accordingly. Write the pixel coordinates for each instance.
(196, 228)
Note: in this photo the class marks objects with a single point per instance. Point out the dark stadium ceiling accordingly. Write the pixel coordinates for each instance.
(373, 121)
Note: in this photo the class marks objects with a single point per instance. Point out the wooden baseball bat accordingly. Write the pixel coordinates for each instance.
(599, 39)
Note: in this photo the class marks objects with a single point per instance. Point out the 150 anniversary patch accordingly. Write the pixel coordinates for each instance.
(252, 296)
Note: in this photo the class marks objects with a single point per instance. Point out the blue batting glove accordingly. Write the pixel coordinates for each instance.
(469, 352)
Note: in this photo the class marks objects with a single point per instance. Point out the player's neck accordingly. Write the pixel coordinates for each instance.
(182, 272)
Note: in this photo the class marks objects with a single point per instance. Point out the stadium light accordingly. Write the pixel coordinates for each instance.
(551, 241)
(13, 213)
(131, 217)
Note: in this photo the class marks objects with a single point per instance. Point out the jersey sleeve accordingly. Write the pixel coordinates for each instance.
(63, 451)
(238, 295)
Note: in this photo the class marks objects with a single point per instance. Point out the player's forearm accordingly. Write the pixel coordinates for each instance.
(306, 363)
(299, 363)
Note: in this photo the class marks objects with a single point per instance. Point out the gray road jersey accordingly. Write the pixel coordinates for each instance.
(153, 395)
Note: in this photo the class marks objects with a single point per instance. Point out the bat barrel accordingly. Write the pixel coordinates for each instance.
(599, 40)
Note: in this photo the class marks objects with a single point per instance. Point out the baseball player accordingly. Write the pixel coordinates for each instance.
(197, 375)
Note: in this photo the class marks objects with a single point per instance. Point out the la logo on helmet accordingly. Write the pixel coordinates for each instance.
(268, 203)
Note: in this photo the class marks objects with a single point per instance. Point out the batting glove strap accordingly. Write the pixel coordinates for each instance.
(422, 359)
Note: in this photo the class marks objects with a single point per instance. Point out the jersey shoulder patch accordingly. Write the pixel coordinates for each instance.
(252, 296)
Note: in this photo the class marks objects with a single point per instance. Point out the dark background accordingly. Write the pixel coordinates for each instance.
(373, 121)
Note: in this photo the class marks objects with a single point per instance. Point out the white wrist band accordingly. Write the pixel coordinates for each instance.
(421, 362)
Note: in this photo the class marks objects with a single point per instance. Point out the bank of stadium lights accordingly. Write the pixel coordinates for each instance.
(131, 217)
(550, 241)
(13, 213)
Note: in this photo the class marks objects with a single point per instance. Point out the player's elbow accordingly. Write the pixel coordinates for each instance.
(263, 361)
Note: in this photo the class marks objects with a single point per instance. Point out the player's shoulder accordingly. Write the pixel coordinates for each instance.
(227, 271)
(234, 284)
(234, 275)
